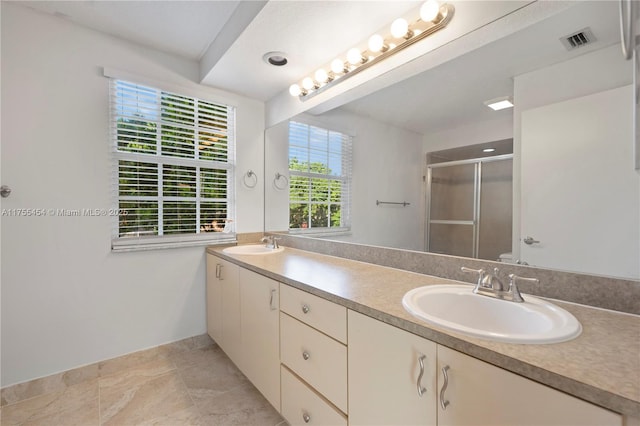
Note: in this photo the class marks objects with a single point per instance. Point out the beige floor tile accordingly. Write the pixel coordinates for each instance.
(241, 406)
(203, 341)
(53, 383)
(212, 379)
(187, 417)
(202, 356)
(154, 398)
(70, 399)
(86, 415)
(119, 364)
(134, 376)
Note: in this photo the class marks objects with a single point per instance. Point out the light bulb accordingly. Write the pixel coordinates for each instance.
(295, 90)
(376, 43)
(400, 28)
(308, 83)
(337, 66)
(429, 10)
(321, 76)
(354, 56)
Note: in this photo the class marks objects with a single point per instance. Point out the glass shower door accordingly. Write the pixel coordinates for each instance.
(453, 212)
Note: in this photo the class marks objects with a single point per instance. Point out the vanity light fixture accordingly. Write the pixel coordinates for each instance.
(499, 103)
(402, 34)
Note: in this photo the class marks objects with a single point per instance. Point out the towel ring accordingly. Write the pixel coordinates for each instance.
(253, 179)
(277, 179)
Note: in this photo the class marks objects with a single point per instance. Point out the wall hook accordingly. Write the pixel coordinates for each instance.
(5, 191)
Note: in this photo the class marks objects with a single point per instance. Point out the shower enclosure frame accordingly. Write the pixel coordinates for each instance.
(477, 198)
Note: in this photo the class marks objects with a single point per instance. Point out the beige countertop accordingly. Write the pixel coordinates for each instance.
(601, 366)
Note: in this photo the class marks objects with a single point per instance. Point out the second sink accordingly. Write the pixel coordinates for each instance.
(457, 308)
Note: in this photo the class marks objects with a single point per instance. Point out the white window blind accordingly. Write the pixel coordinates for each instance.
(174, 168)
(320, 179)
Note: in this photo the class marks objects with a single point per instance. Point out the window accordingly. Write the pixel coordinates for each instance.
(174, 162)
(320, 174)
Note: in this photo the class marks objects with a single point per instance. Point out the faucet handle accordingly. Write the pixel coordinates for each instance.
(481, 274)
(513, 286)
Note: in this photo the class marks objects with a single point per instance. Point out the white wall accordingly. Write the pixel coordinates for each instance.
(471, 133)
(587, 74)
(580, 192)
(387, 166)
(67, 300)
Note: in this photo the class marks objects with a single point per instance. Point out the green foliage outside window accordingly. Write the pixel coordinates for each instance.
(315, 202)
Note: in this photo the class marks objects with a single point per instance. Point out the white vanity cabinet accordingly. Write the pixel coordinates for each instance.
(260, 331)
(386, 367)
(383, 380)
(243, 319)
(223, 305)
(482, 394)
(313, 354)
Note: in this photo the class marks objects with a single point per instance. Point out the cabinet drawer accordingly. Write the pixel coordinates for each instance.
(302, 406)
(316, 358)
(319, 313)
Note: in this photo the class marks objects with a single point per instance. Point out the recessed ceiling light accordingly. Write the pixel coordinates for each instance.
(277, 59)
(488, 150)
(499, 103)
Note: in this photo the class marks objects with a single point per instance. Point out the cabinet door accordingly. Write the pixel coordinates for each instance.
(230, 340)
(384, 367)
(214, 299)
(482, 394)
(260, 327)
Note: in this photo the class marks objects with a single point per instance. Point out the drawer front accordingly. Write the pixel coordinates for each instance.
(328, 317)
(316, 358)
(302, 406)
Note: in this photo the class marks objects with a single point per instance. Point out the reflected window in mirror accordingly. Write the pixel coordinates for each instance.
(320, 179)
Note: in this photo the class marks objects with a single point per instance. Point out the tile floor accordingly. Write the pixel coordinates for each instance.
(190, 382)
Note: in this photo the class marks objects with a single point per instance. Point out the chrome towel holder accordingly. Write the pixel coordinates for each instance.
(253, 179)
(280, 177)
(403, 203)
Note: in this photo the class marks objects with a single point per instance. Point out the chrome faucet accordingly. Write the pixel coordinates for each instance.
(271, 241)
(490, 285)
(493, 281)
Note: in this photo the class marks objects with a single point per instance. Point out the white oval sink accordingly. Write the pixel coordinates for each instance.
(251, 249)
(457, 308)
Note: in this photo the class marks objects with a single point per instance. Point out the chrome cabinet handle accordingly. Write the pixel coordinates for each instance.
(273, 293)
(443, 402)
(626, 28)
(305, 309)
(421, 389)
(529, 240)
(306, 417)
(306, 355)
(219, 271)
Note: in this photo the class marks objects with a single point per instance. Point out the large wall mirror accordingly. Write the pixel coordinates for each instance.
(567, 192)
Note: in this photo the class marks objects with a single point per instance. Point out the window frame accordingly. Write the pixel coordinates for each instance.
(346, 159)
(181, 165)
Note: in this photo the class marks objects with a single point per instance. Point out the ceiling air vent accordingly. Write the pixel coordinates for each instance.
(578, 39)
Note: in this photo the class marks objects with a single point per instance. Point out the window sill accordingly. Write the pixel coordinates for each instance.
(161, 243)
(321, 233)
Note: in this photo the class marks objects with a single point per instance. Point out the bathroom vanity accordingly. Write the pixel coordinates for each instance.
(327, 341)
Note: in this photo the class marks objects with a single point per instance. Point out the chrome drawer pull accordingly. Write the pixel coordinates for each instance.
(421, 389)
(271, 306)
(305, 309)
(444, 402)
(305, 355)
(306, 417)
